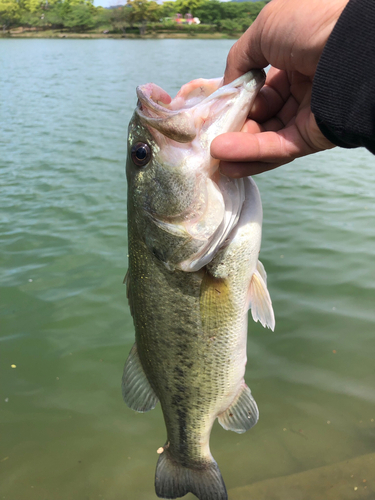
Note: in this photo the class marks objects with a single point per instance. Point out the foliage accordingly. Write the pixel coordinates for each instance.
(143, 11)
(234, 10)
(54, 19)
(167, 9)
(80, 15)
(9, 13)
(103, 16)
(189, 6)
(234, 26)
(32, 5)
(210, 11)
(121, 18)
(80, 18)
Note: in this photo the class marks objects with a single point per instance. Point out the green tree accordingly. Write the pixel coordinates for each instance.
(229, 26)
(189, 6)
(66, 7)
(143, 11)
(122, 18)
(53, 17)
(34, 5)
(80, 17)
(167, 9)
(233, 10)
(210, 11)
(103, 17)
(9, 13)
(36, 19)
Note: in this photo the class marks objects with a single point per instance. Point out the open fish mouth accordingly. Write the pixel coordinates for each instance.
(183, 128)
(198, 105)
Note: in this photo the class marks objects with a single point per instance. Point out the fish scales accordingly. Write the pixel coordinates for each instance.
(188, 373)
(194, 239)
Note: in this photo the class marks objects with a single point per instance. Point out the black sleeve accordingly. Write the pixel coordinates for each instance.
(343, 93)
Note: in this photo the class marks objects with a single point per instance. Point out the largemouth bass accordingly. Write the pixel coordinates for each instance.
(194, 239)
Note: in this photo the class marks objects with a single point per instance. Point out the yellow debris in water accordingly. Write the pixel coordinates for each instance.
(13, 366)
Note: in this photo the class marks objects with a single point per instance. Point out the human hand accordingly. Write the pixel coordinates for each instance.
(290, 35)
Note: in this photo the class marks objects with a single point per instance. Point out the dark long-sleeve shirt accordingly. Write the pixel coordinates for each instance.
(343, 95)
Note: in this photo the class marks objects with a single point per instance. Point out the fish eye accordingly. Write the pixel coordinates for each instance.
(141, 154)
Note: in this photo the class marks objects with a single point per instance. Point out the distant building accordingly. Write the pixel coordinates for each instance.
(187, 19)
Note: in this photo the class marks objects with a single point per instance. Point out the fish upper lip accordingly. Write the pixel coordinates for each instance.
(144, 93)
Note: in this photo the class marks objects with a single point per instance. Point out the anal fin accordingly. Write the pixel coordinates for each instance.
(136, 389)
(242, 414)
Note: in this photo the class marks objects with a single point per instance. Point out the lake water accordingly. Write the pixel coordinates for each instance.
(66, 327)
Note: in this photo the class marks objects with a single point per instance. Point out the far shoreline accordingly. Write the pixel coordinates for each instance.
(17, 33)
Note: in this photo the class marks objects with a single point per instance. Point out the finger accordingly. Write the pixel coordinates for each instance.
(237, 170)
(272, 96)
(287, 113)
(252, 127)
(273, 125)
(284, 118)
(280, 146)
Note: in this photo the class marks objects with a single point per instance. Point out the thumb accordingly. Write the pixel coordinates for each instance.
(246, 53)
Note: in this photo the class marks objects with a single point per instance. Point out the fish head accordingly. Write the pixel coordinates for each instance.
(180, 205)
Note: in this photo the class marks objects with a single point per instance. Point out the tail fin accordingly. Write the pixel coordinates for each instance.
(172, 480)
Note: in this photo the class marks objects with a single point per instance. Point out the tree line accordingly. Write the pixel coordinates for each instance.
(137, 16)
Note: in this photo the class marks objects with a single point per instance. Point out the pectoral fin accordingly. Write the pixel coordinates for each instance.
(136, 389)
(242, 414)
(260, 300)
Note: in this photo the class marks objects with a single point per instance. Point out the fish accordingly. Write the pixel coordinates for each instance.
(194, 238)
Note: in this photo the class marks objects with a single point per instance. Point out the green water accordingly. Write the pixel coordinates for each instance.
(64, 321)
